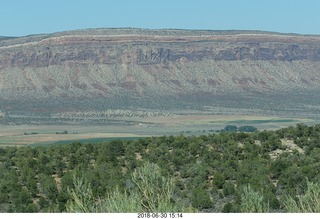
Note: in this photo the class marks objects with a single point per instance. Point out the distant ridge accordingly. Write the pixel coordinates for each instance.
(171, 68)
(165, 31)
(141, 31)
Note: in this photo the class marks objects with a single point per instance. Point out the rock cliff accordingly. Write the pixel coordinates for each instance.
(110, 68)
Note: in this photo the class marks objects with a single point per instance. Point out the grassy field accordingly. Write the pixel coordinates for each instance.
(21, 135)
(45, 139)
(88, 140)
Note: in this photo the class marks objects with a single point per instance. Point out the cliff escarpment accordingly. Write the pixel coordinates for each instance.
(125, 67)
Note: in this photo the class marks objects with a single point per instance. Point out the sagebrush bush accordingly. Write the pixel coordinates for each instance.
(252, 202)
(308, 202)
(152, 193)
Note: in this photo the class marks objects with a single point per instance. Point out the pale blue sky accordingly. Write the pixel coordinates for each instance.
(24, 17)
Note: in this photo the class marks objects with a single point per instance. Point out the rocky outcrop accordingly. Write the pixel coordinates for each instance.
(115, 64)
(145, 50)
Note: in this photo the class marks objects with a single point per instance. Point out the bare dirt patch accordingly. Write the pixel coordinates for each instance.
(290, 147)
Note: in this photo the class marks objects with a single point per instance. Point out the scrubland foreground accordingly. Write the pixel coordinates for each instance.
(263, 171)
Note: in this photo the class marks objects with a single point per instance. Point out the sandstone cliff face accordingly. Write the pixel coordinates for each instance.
(138, 64)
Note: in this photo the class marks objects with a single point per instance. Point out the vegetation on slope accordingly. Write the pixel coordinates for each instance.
(267, 171)
(152, 193)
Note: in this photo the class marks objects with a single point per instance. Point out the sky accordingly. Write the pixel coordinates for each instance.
(24, 17)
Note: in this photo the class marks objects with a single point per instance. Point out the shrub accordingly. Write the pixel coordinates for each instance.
(228, 208)
(309, 202)
(247, 128)
(218, 180)
(152, 193)
(82, 199)
(228, 189)
(155, 189)
(200, 199)
(252, 202)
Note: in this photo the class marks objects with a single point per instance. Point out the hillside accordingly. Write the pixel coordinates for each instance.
(98, 69)
(268, 171)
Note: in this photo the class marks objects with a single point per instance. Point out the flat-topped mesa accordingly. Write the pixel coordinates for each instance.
(144, 64)
(143, 49)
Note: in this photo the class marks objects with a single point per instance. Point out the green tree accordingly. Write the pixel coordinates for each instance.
(218, 180)
(31, 208)
(231, 128)
(247, 128)
(200, 199)
(228, 189)
(48, 187)
(20, 200)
